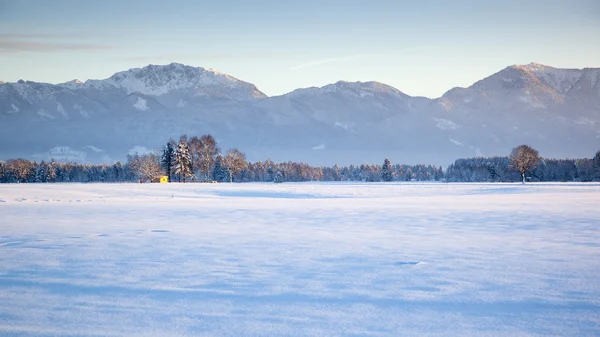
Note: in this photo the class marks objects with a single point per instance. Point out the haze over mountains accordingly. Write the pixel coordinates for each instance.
(555, 110)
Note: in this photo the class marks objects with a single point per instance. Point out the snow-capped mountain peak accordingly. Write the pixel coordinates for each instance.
(532, 78)
(360, 89)
(33, 91)
(73, 84)
(158, 80)
(533, 66)
(562, 80)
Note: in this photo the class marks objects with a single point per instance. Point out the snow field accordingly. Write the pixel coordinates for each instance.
(299, 259)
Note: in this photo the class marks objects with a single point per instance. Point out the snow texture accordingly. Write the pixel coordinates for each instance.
(95, 149)
(61, 110)
(83, 112)
(13, 109)
(181, 103)
(355, 89)
(299, 259)
(138, 149)
(42, 113)
(445, 124)
(560, 79)
(141, 104)
(67, 154)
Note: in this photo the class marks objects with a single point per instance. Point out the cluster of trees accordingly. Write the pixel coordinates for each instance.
(26, 171)
(522, 165)
(193, 159)
(200, 159)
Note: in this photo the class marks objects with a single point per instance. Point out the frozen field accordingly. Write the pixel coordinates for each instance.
(299, 259)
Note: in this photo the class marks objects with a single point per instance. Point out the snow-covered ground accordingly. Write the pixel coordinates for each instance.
(299, 259)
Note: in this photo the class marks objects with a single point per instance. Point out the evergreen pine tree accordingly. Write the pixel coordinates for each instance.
(278, 177)
(386, 171)
(3, 170)
(336, 173)
(596, 167)
(219, 172)
(182, 161)
(41, 173)
(167, 158)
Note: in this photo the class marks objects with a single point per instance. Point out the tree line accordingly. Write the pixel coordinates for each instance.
(26, 171)
(529, 167)
(199, 159)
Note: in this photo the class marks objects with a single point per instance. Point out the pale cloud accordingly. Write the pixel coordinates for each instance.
(39, 36)
(44, 43)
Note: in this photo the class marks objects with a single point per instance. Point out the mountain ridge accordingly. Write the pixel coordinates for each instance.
(77, 84)
(342, 121)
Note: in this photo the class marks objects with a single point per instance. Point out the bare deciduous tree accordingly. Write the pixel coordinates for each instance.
(21, 168)
(194, 147)
(524, 158)
(146, 166)
(204, 151)
(234, 162)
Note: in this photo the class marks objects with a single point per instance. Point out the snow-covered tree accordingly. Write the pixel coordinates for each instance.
(337, 176)
(524, 158)
(118, 173)
(182, 161)
(52, 171)
(41, 172)
(278, 177)
(219, 172)
(596, 167)
(386, 171)
(21, 168)
(146, 166)
(234, 162)
(204, 151)
(3, 172)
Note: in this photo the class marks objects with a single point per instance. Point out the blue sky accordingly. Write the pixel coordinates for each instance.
(420, 47)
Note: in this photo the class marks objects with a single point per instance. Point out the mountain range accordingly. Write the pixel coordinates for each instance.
(557, 111)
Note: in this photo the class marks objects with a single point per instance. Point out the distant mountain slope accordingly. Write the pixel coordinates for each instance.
(554, 110)
(558, 110)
